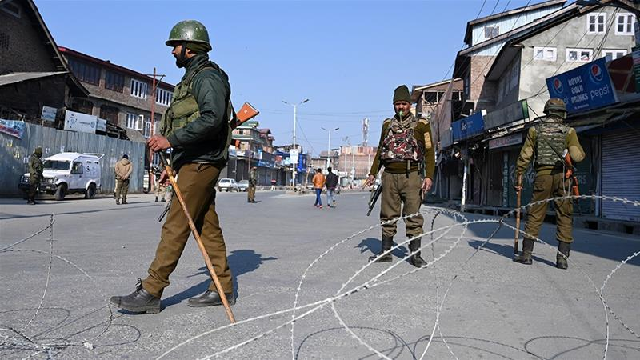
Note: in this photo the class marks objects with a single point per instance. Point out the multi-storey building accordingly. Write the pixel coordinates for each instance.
(119, 95)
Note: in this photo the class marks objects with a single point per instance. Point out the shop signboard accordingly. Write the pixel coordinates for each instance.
(468, 127)
(584, 88)
(49, 113)
(80, 122)
(509, 140)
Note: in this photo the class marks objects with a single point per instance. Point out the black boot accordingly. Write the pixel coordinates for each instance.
(387, 244)
(211, 298)
(156, 199)
(565, 249)
(415, 259)
(138, 301)
(527, 250)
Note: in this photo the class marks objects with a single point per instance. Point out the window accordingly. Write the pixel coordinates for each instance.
(114, 81)
(138, 89)
(147, 128)
(84, 71)
(163, 97)
(77, 168)
(579, 55)
(430, 97)
(624, 24)
(613, 54)
(596, 23)
(545, 53)
(134, 121)
(491, 31)
(10, 8)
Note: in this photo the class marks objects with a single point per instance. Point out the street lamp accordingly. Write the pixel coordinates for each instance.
(295, 108)
(329, 147)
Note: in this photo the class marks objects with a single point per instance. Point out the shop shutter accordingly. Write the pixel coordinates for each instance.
(621, 175)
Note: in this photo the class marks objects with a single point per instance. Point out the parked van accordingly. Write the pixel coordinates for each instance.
(68, 173)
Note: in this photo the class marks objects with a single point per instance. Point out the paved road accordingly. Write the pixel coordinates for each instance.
(485, 305)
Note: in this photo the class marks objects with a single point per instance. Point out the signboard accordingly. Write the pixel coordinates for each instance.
(302, 163)
(509, 140)
(584, 88)
(48, 113)
(508, 114)
(74, 121)
(293, 157)
(101, 125)
(468, 127)
(12, 127)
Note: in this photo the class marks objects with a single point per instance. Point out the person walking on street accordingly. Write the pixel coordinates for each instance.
(331, 185)
(406, 152)
(548, 143)
(35, 174)
(123, 171)
(196, 126)
(253, 181)
(318, 184)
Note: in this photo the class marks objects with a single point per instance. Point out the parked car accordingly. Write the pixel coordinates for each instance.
(243, 185)
(227, 184)
(66, 173)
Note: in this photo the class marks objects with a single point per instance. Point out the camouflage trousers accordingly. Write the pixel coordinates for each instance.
(401, 195)
(122, 188)
(547, 187)
(196, 183)
(251, 193)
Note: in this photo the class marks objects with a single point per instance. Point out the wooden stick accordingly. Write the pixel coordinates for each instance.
(178, 194)
(519, 204)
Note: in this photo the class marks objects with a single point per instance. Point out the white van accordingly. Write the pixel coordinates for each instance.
(67, 173)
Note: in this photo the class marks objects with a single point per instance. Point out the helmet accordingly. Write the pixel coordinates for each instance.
(554, 104)
(189, 31)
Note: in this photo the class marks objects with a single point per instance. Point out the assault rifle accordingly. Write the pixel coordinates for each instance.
(373, 198)
(568, 164)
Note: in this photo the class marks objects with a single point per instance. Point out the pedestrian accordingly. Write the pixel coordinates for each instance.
(273, 184)
(123, 171)
(405, 150)
(162, 186)
(331, 185)
(253, 181)
(547, 144)
(318, 184)
(196, 126)
(35, 174)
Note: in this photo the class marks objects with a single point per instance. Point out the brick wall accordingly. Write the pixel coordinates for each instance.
(22, 47)
(480, 66)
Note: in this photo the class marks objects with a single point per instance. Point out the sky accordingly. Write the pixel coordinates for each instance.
(346, 56)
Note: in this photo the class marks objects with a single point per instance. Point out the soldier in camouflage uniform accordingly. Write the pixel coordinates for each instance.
(253, 181)
(35, 174)
(406, 152)
(196, 126)
(546, 143)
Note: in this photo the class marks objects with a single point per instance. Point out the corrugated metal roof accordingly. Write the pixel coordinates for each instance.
(24, 76)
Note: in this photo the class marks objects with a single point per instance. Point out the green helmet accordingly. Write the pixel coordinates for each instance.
(189, 31)
(554, 104)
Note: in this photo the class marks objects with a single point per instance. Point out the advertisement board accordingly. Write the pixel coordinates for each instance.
(74, 121)
(468, 127)
(48, 113)
(586, 87)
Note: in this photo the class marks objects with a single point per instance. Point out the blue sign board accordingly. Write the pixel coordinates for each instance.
(302, 162)
(468, 127)
(584, 88)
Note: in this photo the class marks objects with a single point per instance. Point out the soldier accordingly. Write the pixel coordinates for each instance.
(196, 126)
(35, 174)
(122, 170)
(406, 152)
(546, 142)
(253, 181)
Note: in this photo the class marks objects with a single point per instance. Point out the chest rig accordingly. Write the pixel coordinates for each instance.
(400, 143)
(550, 142)
(184, 107)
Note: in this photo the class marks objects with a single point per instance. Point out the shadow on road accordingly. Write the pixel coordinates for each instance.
(507, 251)
(240, 262)
(374, 246)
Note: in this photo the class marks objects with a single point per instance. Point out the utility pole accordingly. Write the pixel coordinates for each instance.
(329, 146)
(152, 124)
(294, 165)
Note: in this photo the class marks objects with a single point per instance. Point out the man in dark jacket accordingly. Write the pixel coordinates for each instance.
(331, 185)
(35, 174)
(196, 126)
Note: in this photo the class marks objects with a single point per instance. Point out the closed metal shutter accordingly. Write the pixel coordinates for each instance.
(621, 175)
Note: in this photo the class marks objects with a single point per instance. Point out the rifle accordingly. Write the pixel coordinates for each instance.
(569, 174)
(373, 198)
